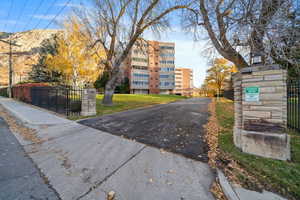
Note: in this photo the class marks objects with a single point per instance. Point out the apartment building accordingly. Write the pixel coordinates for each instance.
(183, 81)
(150, 68)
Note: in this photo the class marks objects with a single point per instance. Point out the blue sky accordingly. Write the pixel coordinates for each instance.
(28, 14)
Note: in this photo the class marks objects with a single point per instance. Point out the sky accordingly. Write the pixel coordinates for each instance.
(22, 15)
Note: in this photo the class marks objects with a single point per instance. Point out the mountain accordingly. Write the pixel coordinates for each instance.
(24, 55)
(4, 35)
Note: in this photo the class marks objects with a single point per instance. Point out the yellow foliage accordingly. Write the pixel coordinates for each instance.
(75, 59)
(218, 74)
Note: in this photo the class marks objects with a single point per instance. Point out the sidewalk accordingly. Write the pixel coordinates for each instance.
(19, 178)
(85, 163)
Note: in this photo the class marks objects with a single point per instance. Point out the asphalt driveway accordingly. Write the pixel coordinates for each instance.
(175, 127)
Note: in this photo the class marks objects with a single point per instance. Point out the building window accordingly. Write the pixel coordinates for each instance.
(164, 84)
(167, 69)
(140, 83)
(167, 47)
(140, 59)
(141, 75)
(166, 62)
(139, 67)
(166, 76)
(166, 55)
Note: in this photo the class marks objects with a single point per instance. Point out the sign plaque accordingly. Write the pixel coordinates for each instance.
(252, 94)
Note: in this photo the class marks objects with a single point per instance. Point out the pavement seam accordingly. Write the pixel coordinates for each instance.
(99, 183)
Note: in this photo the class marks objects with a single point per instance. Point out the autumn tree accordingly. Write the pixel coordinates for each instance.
(118, 24)
(74, 59)
(40, 72)
(218, 74)
(232, 25)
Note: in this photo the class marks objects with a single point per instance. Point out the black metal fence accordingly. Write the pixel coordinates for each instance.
(229, 94)
(293, 104)
(64, 100)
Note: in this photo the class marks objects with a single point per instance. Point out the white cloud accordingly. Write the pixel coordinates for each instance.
(70, 5)
(8, 21)
(44, 17)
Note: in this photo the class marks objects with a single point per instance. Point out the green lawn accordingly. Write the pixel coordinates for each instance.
(124, 102)
(281, 176)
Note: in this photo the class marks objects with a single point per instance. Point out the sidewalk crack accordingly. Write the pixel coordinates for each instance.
(100, 182)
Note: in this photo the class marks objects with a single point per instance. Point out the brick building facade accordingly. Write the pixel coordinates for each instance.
(183, 81)
(150, 68)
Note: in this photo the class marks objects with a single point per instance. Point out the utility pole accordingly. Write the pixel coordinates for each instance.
(10, 70)
(10, 65)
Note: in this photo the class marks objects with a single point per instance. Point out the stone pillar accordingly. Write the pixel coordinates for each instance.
(260, 125)
(88, 104)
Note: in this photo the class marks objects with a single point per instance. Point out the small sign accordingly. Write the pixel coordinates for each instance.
(252, 94)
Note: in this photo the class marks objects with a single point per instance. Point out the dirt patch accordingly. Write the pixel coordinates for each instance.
(16, 127)
(211, 137)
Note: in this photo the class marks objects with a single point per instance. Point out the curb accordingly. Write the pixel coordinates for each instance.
(226, 186)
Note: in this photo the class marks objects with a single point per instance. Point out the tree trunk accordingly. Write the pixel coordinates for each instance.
(109, 92)
(111, 85)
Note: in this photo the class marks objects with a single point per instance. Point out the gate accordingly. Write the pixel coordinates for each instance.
(293, 104)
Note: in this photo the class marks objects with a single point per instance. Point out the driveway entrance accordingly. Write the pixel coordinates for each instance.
(175, 127)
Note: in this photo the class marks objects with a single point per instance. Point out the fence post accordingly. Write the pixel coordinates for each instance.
(88, 102)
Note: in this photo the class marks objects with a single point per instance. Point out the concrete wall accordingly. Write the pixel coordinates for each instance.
(260, 126)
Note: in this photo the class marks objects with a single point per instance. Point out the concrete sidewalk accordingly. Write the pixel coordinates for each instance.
(29, 115)
(85, 163)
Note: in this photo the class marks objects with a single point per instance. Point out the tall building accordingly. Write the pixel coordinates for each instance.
(183, 81)
(150, 68)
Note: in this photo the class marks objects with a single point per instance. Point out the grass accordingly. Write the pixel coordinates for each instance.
(123, 102)
(280, 176)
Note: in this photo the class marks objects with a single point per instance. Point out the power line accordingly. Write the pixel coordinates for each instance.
(66, 4)
(58, 13)
(8, 15)
(21, 13)
(46, 13)
(34, 12)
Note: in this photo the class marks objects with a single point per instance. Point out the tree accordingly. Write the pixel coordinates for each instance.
(233, 23)
(101, 81)
(118, 24)
(78, 63)
(40, 72)
(285, 45)
(218, 74)
(124, 87)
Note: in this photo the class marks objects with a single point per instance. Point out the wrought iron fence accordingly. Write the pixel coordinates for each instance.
(293, 104)
(229, 94)
(64, 100)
